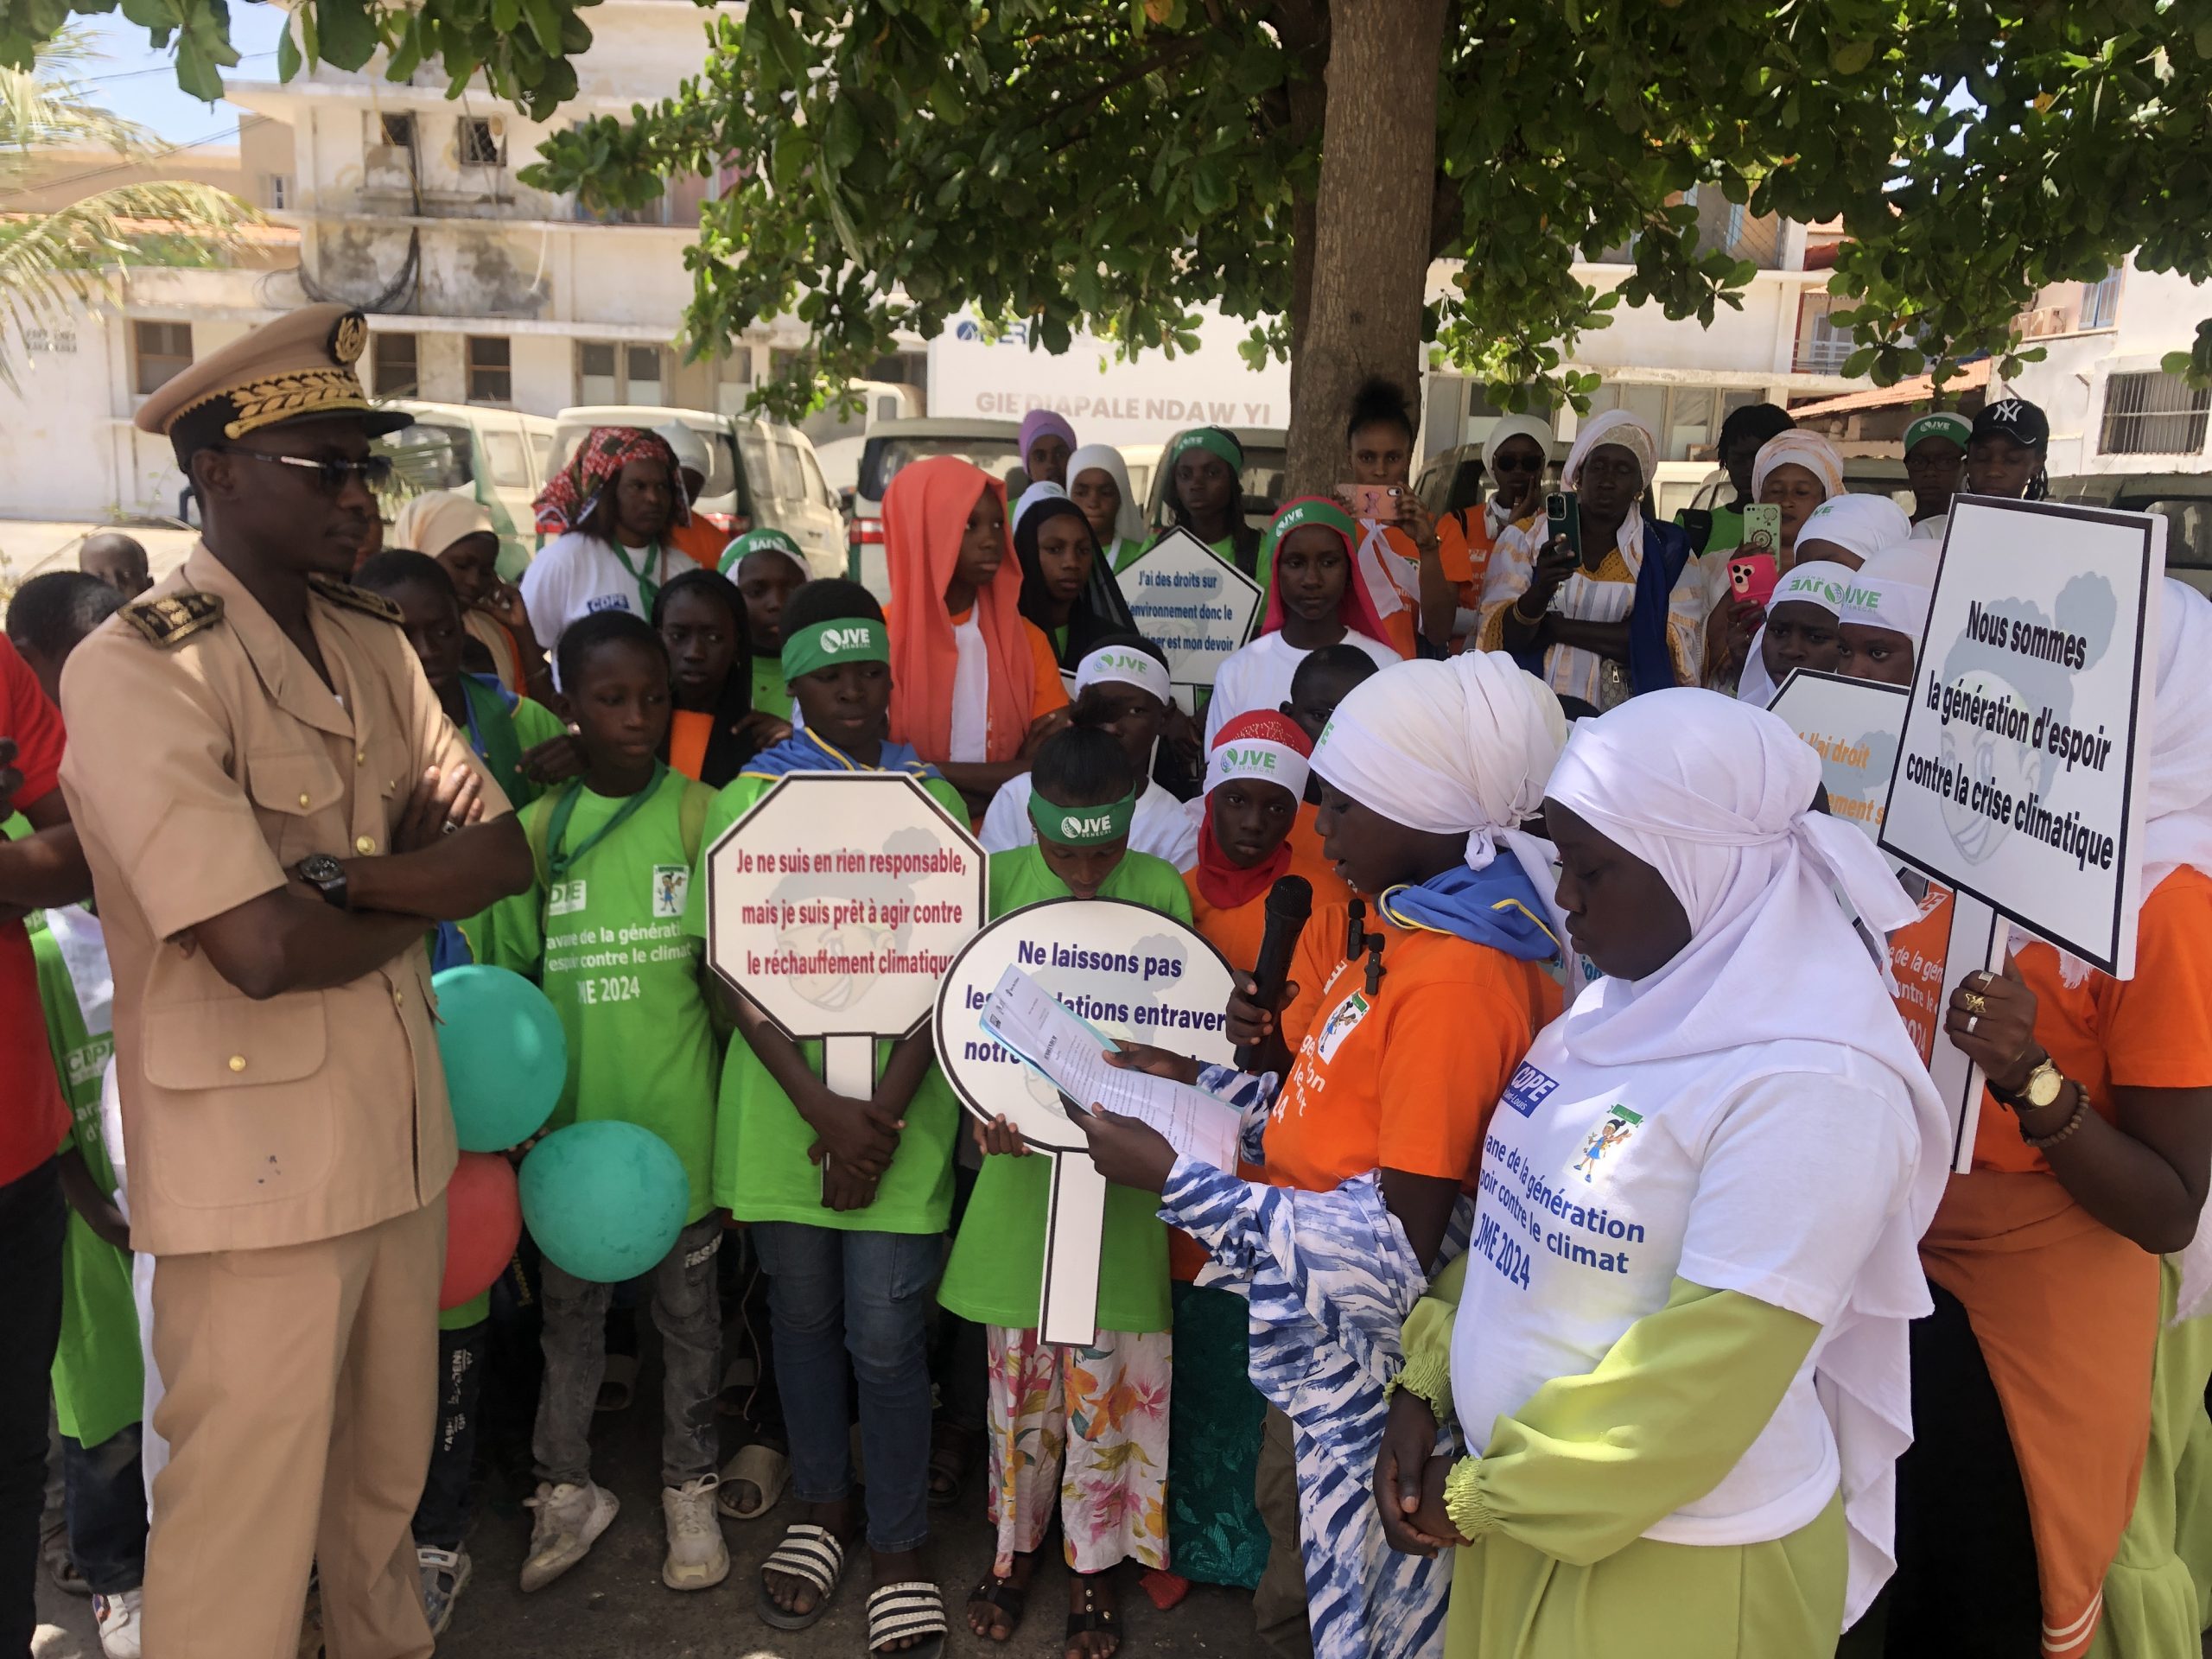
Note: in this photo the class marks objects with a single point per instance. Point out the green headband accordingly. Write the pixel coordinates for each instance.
(1082, 826)
(1313, 510)
(1213, 442)
(755, 540)
(842, 639)
(1941, 425)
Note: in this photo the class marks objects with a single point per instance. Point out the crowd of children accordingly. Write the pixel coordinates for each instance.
(1327, 1376)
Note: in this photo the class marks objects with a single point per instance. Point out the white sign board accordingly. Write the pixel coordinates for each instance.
(1126, 970)
(2020, 775)
(836, 904)
(1196, 608)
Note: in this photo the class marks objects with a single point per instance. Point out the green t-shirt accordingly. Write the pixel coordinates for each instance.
(1125, 550)
(499, 735)
(770, 695)
(608, 944)
(1727, 530)
(996, 1275)
(761, 1169)
(100, 1378)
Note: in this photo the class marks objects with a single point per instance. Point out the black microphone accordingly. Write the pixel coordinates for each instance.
(1290, 901)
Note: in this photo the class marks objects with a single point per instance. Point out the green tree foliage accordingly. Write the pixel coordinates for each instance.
(51, 261)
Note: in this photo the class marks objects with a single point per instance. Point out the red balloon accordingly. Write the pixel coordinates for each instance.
(483, 1226)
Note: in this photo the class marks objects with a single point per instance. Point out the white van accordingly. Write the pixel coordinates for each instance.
(501, 458)
(839, 435)
(764, 475)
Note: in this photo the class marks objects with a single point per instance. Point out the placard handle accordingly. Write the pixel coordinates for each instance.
(848, 1068)
(1075, 1236)
(1979, 938)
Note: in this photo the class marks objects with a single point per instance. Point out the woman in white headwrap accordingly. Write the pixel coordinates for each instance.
(456, 530)
(1850, 529)
(1620, 614)
(1797, 471)
(1515, 456)
(1098, 482)
(1885, 613)
(1803, 630)
(2090, 1162)
(1678, 1351)
(1402, 1041)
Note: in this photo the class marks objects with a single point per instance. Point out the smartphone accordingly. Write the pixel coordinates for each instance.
(1761, 528)
(1698, 522)
(1563, 517)
(1752, 576)
(1376, 501)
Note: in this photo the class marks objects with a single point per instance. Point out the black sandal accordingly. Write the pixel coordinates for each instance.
(1006, 1597)
(952, 1453)
(1095, 1620)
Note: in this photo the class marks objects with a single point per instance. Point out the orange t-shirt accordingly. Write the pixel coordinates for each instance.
(1406, 1078)
(2152, 1032)
(688, 732)
(700, 541)
(1236, 933)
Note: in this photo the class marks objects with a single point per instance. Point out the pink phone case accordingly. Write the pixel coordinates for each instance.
(1752, 576)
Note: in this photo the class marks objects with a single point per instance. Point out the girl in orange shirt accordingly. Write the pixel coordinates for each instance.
(1255, 827)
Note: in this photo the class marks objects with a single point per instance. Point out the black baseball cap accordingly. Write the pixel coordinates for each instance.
(2016, 419)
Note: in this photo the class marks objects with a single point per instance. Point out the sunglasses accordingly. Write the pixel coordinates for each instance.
(1520, 464)
(330, 471)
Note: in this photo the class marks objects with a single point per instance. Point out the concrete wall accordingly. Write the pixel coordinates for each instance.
(2157, 313)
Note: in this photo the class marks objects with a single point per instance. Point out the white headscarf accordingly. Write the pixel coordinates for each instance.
(1128, 522)
(1816, 581)
(688, 448)
(1859, 524)
(2177, 791)
(433, 521)
(1798, 447)
(1045, 490)
(1893, 590)
(1617, 426)
(1460, 746)
(1515, 426)
(1716, 796)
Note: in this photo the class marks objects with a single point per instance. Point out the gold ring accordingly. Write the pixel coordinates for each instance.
(1974, 1002)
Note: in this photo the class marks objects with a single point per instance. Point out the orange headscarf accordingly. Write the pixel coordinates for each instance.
(924, 516)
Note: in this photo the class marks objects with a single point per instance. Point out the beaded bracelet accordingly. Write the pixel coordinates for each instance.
(2073, 1122)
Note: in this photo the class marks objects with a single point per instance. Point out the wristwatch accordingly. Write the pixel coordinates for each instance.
(2041, 1087)
(325, 875)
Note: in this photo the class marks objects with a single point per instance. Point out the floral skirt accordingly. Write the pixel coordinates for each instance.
(1086, 1427)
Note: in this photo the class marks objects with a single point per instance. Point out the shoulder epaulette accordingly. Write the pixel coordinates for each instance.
(166, 622)
(355, 599)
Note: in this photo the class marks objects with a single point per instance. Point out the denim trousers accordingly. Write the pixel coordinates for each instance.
(686, 1313)
(867, 1294)
(104, 1496)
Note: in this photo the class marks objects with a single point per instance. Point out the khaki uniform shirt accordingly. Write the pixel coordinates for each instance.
(198, 774)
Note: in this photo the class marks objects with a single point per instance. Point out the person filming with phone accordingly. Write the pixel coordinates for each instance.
(1599, 599)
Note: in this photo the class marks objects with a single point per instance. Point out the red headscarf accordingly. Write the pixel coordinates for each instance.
(1220, 883)
(570, 495)
(1355, 610)
(925, 517)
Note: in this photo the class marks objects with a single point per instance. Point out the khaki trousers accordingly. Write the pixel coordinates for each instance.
(1279, 1602)
(302, 1385)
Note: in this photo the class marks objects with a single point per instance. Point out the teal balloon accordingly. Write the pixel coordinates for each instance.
(605, 1201)
(506, 1057)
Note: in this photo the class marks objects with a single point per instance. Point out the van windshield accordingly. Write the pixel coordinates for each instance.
(881, 458)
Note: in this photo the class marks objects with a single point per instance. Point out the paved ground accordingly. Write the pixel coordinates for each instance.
(613, 1607)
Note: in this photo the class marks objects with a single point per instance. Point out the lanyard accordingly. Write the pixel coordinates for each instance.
(648, 590)
(558, 863)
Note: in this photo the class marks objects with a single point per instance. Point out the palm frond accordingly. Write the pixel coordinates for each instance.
(48, 104)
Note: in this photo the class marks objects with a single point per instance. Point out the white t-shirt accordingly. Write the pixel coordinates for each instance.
(1161, 826)
(575, 574)
(1769, 1170)
(1258, 676)
(971, 694)
(1931, 529)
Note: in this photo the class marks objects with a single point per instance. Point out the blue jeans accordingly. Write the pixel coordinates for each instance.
(866, 1293)
(104, 1497)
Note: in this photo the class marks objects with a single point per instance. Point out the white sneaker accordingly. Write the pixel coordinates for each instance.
(445, 1575)
(570, 1519)
(118, 1616)
(697, 1557)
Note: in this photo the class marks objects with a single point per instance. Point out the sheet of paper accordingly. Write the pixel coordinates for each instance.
(1032, 1023)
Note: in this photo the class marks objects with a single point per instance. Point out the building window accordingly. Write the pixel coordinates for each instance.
(609, 372)
(160, 351)
(393, 358)
(397, 127)
(2153, 414)
(2101, 303)
(491, 370)
(480, 145)
(276, 191)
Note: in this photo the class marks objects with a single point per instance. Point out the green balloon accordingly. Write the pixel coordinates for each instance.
(605, 1200)
(506, 1057)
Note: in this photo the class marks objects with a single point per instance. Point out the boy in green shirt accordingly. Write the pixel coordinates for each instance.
(601, 929)
(849, 1198)
(1105, 1407)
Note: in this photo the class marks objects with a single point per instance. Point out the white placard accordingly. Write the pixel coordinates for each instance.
(834, 907)
(1196, 608)
(2019, 775)
(2020, 768)
(1123, 969)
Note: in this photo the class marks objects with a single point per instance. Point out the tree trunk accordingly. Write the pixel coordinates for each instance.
(1370, 244)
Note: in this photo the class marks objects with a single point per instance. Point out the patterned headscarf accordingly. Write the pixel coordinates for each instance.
(569, 496)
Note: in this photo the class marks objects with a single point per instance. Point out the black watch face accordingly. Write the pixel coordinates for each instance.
(321, 867)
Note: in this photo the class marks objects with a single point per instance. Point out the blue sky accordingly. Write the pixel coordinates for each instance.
(136, 81)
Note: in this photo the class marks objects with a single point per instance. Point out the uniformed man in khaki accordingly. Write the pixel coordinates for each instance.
(275, 810)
